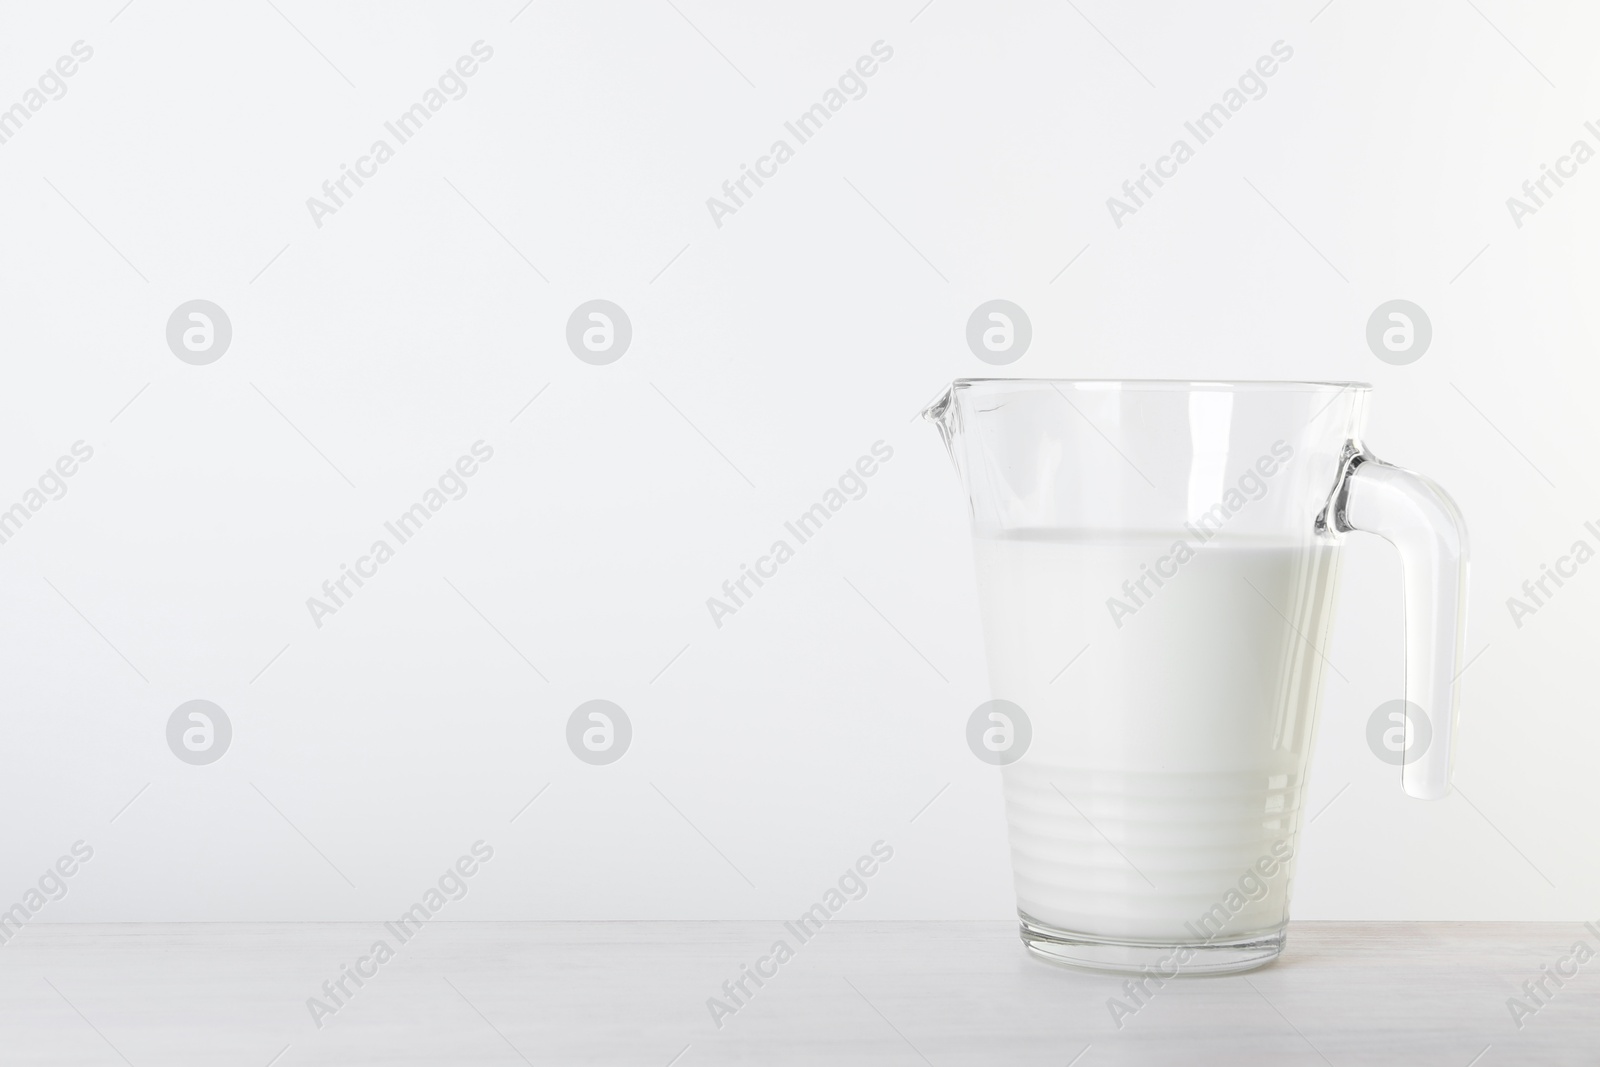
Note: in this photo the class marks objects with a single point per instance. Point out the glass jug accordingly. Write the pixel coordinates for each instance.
(1157, 564)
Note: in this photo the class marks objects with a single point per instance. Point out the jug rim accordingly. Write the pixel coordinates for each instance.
(1242, 384)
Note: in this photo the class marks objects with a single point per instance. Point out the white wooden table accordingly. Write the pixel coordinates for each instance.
(892, 993)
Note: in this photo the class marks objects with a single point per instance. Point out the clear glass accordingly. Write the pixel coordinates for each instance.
(1157, 566)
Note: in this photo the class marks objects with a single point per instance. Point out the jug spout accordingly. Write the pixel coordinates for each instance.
(942, 413)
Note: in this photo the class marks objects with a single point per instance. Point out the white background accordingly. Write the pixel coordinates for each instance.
(814, 322)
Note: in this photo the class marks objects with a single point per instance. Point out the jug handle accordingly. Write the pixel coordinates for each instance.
(1415, 515)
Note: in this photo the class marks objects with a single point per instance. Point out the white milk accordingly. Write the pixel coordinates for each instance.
(1170, 757)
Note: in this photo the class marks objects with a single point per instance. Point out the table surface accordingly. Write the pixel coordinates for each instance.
(934, 993)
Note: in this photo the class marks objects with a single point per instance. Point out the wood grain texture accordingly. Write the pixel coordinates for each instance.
(857, 993)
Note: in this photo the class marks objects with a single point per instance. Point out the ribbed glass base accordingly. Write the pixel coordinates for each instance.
(1162, 959)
